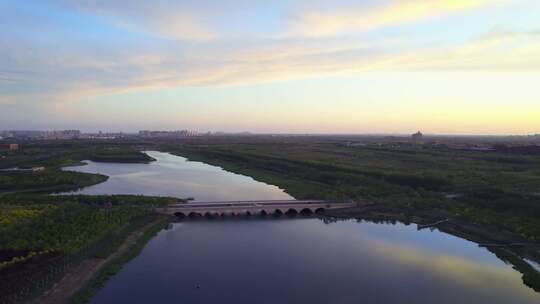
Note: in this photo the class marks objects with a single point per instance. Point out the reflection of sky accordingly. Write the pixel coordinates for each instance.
(405, 249)
(533, 264)
(175, 176)
(428, 240)
(307, 261)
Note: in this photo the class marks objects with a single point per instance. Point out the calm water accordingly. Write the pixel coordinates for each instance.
(175, 176)
(301, 260)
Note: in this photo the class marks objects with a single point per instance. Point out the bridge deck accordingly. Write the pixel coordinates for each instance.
(267, 206)
(247, 203)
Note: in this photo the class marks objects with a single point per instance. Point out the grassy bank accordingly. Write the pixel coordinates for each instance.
(115, 265)
(488, 189)
(42, 237)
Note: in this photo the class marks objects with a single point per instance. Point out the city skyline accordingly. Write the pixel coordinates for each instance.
(340, 67)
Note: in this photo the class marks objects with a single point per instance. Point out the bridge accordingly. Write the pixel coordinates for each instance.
(263, 207)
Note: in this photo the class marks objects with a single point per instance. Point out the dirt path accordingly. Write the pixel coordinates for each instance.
(78, 276)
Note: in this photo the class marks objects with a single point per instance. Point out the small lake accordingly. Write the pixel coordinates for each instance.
(283, 260)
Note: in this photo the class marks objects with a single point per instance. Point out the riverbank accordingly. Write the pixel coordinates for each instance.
(490, 189)
(45, 236)
(80, 283)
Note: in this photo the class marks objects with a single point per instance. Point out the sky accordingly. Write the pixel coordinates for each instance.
(296, 66)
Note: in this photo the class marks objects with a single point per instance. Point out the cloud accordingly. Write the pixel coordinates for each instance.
(51, 66)
(495, 51)
(166, 19)
(206, 20)
(76, 73)
(317, 23)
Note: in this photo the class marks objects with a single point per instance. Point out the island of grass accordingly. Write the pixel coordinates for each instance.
(37, 168)
(116, 155)
(56, 154)
(46, 181)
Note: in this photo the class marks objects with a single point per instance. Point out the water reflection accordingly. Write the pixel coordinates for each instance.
(305, 260)
(284, 260)
(172, 175)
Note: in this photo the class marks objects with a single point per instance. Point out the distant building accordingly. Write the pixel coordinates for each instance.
(102, 135)
(418, 136)
(13, 147)
(65, 134)
(22, 134)
(168, 134)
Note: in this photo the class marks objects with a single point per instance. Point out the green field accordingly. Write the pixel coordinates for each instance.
(43, 236)
(486, 188)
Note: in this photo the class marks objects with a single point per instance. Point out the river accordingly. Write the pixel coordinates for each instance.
(172, 175)
(300, 260)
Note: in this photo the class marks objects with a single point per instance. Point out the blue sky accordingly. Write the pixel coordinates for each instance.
(343, 66)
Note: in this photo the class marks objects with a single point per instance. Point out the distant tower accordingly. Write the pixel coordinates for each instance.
(418, 136)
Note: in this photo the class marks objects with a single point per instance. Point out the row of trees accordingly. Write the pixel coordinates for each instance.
(42, 236)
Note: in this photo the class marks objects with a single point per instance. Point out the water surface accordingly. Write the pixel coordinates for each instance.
(300, 260)
(172, 175)
(308, 261)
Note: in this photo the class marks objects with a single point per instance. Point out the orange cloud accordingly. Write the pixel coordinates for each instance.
(327, 23)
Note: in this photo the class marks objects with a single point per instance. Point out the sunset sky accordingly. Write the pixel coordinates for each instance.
(296, 66)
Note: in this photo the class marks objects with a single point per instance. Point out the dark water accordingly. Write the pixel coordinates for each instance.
(308, 261)
(301, 260)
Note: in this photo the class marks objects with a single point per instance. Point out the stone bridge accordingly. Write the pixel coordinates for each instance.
(264, 207)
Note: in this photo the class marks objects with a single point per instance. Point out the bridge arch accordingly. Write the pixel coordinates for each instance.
(180, 214)
(194, 214)
(306, 211)
(291, 212)
(320, 210)
(209, 215)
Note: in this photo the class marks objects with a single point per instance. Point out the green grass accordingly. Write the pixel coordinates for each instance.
(68, 229)
(56, 154)
(494, 189)
(47, 181)
(114, 266)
